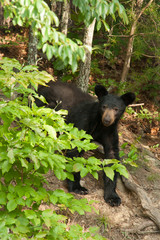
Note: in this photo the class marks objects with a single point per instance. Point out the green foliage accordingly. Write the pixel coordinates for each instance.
(99, 10)
(144, 113)
(155, 146)
(44, 23)
(103, 222)
(147, 81)
(153, 177)
(41, 18)
(102, 50)
(145, 59)
(114, 165)
(29, 147)
(131, 157)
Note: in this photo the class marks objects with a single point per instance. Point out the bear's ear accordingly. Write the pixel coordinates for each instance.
(128, 98)
(100, 91)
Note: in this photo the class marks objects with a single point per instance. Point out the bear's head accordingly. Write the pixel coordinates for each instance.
(112, 107)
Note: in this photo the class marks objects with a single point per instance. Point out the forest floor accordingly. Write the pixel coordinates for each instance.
(132, 219)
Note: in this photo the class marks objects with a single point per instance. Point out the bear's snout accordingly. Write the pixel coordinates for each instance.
(108, 117)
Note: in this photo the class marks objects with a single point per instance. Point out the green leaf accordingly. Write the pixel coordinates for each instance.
(6, 166)
(11, 188)
(107, 28)
(70, 176)
(51, 131)
(24, 162)
(122, 170)
(78, 209)
(35, 160)
(131, 153)
(50, 51)
(55, 18)
(110, 161)
(41, 234)
(3, 198)
(22, 229)
(94, 161)
(112, 8)
(109, 172)
(11, 205)
(82, 54)
(74, 64)
(30, 214)
(44, 48)
(47, 213)
(19, 21)
(60, 174)
(83, 172)
(53, 199)
(77, 167)
(99, 24)
(95, 175)
(11, 155)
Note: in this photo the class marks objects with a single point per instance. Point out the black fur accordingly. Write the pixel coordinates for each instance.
(98, 118)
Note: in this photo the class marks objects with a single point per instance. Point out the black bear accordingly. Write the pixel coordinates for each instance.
(61, 95)
(99, 119)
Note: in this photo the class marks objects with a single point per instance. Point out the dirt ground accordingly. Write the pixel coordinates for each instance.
(129, 220)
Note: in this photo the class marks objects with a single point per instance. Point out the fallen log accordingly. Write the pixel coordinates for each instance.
(149, 210)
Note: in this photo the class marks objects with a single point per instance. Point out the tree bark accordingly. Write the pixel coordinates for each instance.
(3, 21)
(32, 48)
(65, 17)
(137, 13)
(83, 78)
(127, 61)
(148, 208)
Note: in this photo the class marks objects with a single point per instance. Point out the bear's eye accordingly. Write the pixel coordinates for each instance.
(116, 109)
(104, 107)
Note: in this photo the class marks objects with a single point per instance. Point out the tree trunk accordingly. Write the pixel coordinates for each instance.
(127, 61)
(32, 48)
(65, 17)
(137, 13)
(83, 79)
(3, 21)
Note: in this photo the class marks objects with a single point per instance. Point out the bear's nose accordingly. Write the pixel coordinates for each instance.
(107, 121)
(108, 117)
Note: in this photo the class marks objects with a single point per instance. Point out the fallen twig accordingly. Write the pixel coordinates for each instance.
(136, 105)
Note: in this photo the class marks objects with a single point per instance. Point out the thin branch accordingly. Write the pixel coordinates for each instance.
(136, 105)
(145, 55)
(149, 3)
(133, 35)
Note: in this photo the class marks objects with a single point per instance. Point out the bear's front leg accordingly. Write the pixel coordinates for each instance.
(110, 195)
(74, 186)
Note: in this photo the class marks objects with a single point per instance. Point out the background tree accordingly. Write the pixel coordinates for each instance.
(32, 48)
(65, 17)
(54, 43)
(137, 11)
(84, 68)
